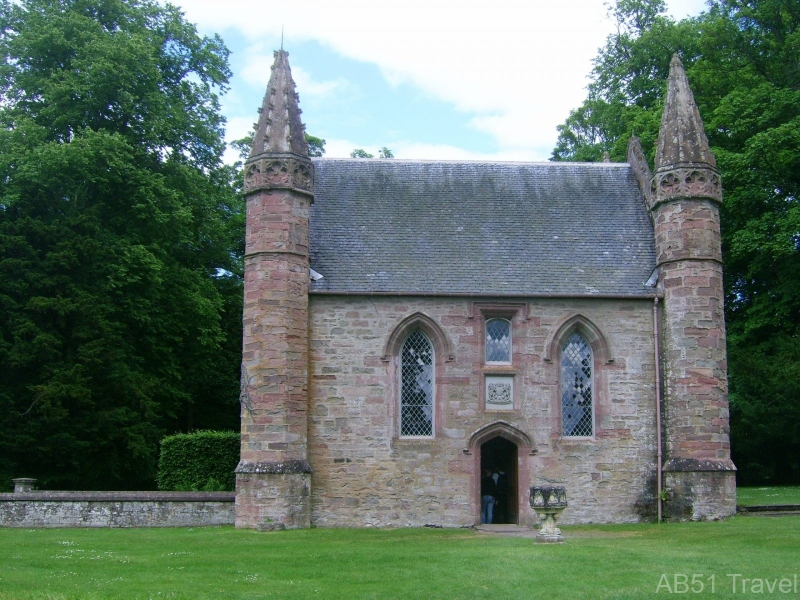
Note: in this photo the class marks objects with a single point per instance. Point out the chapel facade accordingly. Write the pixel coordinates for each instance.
(408, 324)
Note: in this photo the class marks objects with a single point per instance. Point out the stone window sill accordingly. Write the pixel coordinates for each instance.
(498, 370)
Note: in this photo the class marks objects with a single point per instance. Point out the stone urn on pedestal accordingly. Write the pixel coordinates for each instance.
(549, 503)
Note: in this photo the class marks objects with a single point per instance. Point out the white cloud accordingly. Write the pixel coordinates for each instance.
(518, 66)
(320, 89)
(680, 9)
(256, 70)
(405, 150)
(238, 127)
(337, 148)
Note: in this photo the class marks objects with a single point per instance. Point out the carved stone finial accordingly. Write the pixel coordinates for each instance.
(280, 129)
(685, 165)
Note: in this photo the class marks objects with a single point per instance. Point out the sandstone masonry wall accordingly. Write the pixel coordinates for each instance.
(275, 323)
(364, 474)
(689, 255)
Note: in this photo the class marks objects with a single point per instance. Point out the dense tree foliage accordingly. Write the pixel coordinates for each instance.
(120, 241)
(743, 61)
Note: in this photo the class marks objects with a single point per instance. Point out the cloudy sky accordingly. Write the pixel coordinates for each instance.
(437, 79)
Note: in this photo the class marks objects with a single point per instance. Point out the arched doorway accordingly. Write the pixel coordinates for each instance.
(500, 456)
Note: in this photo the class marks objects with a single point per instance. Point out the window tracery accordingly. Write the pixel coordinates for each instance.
(416, 386)
(577, 410)
(498, 341)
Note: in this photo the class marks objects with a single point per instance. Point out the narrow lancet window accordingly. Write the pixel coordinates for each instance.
(577, 414)
(416, 393)
(498, 341)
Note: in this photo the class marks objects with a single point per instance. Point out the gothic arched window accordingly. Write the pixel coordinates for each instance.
(498, 341)
(416, 386)
(577, 412)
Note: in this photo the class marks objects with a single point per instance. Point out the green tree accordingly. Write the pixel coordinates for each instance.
(749, 75)
(742, 60)
(120, 240)
(316, 145)
(626, 92)
(360, 153)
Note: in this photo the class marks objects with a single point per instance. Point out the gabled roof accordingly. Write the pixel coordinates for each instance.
(505, 229)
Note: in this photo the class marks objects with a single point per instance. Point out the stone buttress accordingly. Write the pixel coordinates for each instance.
(684, 200)
(273, 479)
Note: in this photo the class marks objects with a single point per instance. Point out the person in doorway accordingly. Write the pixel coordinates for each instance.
(500, 478)
(488, 496)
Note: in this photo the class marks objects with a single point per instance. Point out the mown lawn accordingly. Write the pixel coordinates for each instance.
(620, 561)
(753, 496)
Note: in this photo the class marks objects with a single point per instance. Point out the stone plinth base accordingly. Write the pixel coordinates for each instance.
(272, 501)
(548, 532)
(696, 492)
(23, 485)
(549, 502)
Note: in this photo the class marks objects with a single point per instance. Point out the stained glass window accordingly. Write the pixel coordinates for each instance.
(416, 393)
(498, 341)
(577, 415)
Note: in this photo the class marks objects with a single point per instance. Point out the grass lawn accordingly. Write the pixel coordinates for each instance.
(618, 561)
(752, 496)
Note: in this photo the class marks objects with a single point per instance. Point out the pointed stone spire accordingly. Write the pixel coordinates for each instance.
(685, 165)
(280, 129)
(682, 138)
(279, 156)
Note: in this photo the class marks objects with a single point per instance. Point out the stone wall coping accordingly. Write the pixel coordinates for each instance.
(687, 465)
(286, 467)
(758, 508)
(91, 496)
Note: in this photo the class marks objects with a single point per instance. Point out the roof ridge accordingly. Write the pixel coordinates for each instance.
(603, 165)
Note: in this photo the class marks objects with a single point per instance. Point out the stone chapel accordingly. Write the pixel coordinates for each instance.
(408, 323)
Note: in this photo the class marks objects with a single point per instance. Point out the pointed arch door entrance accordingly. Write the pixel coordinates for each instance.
(500, 456)
(502, 446)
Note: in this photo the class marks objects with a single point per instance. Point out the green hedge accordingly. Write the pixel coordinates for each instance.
(202, 461)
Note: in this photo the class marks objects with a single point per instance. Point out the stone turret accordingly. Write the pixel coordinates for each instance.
(684, 199)
(273, 481)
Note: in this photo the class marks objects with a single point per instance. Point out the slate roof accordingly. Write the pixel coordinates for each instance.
(395, 226)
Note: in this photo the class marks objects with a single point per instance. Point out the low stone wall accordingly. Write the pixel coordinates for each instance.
(117, 509)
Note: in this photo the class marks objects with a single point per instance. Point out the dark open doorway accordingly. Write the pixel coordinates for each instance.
(500, 456)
